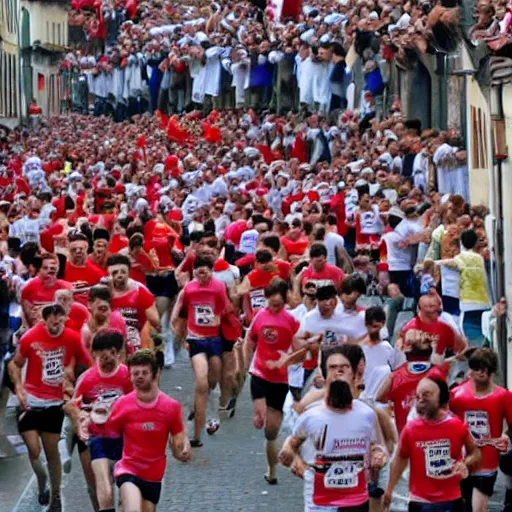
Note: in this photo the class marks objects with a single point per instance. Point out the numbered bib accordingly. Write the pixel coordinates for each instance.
(342, 475)
(438, 459)
(478, 424)
(53, 367)
(203, 315)
(258, 299)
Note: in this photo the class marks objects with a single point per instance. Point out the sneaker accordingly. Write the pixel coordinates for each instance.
(212, 426)
(231, 407)
(44, 497)
(55, 504)
(65, 457)
(191, 415)
(195, 443)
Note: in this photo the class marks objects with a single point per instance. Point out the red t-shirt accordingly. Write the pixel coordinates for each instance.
(46, 236)
(38, 295)
(133, 305)
(329, 275)
(140, 267)
(100, 391)
(404, 381)
(273, 334)
(283, 267)
(117, 242)
(234, 232)
(203, 306)
(47, 357)
(295, 247)
(432, 448)
(437, 333)
(145, 429)
(77, 317)
(84, 277)
(103, 270)
(255, 300)
(484, 417)
(116, 323)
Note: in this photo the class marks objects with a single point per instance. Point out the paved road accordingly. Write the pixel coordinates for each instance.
(225, 475)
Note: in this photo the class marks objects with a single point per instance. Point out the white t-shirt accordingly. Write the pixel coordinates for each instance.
(382, 354)
(249, 241)
(332, 241)
(399, 259)
(332, 328)
(228, 276)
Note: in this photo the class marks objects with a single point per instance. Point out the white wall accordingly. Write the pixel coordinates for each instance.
(48, 22)
(507, 217)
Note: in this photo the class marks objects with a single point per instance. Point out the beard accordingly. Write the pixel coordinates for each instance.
(340, 395)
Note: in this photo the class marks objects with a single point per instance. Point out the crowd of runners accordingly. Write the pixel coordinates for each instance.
(328, 256)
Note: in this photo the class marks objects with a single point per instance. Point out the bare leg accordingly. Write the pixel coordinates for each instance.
(31, 439)
(51, 450)
(479, 502)
(85, 460)
(227, 383)
(131, 497)
(147, 506)
(200, 367)
(272, 425)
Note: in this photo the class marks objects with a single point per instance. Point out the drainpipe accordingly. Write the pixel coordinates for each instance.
(501, 323)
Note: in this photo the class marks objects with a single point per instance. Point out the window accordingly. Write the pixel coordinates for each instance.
(47, 32)
(58, 34)
(53, 33)
(478, 138)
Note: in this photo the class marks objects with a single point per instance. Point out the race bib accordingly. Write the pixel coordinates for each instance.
(478, 424)
(342, 475)
(438, 459)
(258, 299)
(203, 315)
(53, 367)
(133, 341)
(332, 338)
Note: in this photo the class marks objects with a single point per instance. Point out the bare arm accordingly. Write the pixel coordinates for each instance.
(397, 468)
(290, 450)
(14, 368)
(384, 389)
(153, 317)
(244, 288)
(180, 446)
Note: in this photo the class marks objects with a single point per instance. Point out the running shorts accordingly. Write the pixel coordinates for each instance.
(445, 506)
(43, 419)
(150, 491)
(273, 393)
(209, 346)
(106, 448)
(484, 483)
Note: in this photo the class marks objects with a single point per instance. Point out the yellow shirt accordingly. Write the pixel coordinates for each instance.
(473, 279)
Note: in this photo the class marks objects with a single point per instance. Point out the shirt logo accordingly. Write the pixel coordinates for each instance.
(148, 427)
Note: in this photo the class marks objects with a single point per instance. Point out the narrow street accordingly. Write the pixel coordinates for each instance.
(226, 474)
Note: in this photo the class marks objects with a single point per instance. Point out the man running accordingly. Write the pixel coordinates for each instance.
(146, 418)
(48, 349)
(483, 406)
(95, 394)
(202, 302)
(133, 300)
(40, 290)
(271, 335)
(102, 317)
(433, 445)
(341, 433)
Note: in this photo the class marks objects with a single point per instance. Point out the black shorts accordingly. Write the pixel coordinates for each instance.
(227, 346)
(150, 491)
(80, 445)
(163, 285)
(47, 419)
(274, 394)
(484, 483)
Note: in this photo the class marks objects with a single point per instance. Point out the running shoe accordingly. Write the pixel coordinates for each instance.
(212, 426)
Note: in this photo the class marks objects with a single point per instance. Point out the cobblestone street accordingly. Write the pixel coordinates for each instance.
(225, 475)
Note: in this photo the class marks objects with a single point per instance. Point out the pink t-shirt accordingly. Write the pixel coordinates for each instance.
(100, 391)
(203, 306)
(145, 429)
(117, 323)
(273, 334)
